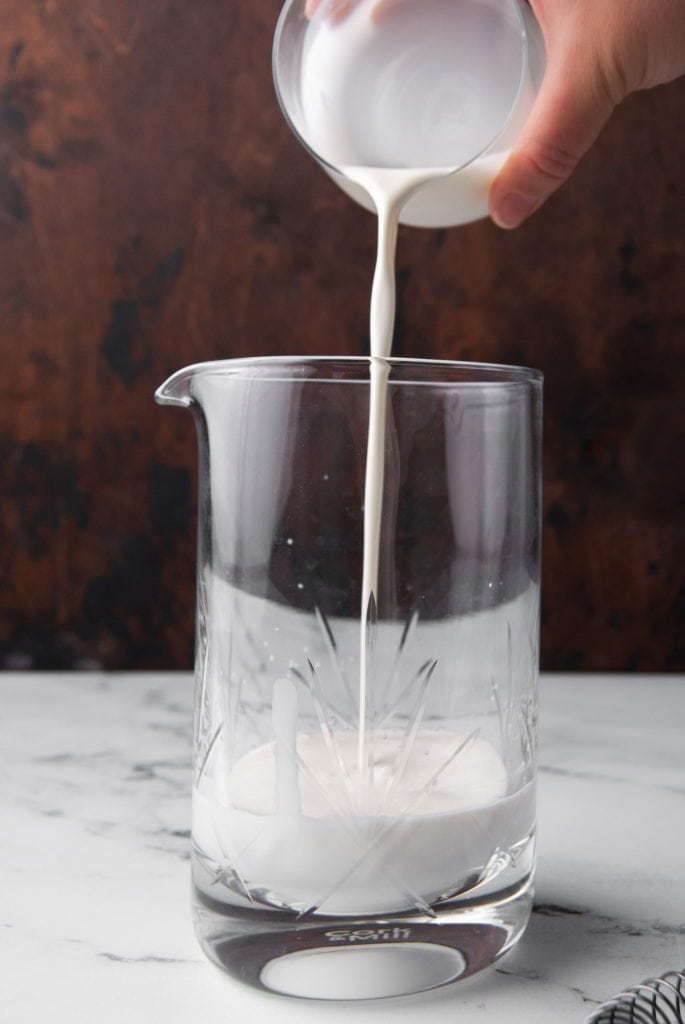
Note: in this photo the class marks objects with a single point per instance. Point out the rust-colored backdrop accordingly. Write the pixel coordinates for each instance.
(155, 211)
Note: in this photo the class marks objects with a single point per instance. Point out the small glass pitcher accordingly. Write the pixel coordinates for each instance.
(410, 84)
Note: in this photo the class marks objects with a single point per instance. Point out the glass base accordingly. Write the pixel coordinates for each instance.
(344, 958)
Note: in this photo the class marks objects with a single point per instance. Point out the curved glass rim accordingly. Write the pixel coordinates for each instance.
(480, 374)
(275, 51)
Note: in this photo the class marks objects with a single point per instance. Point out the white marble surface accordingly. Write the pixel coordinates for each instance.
(94, 882)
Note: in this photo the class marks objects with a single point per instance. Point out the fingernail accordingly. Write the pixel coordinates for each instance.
(513, 209)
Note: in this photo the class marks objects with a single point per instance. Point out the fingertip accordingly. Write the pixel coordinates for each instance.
(511, 209)
(509, 203)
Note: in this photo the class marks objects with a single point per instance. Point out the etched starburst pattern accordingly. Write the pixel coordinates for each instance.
(291, 814)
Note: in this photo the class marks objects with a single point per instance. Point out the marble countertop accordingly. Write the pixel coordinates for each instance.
(94, 877)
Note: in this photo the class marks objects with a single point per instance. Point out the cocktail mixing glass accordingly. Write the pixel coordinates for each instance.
(345, 846)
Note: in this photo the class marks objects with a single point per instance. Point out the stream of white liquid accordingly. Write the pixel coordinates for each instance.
(389, 190)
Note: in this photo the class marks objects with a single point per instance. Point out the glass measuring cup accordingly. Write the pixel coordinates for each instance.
(444, 84)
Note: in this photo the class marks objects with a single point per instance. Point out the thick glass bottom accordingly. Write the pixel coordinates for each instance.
(348, 958)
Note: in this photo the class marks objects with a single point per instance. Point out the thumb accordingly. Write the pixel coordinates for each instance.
(570, 110)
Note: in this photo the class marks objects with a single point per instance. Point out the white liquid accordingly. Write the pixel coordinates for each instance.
(294, 823)
(433, 816)
(427, 84)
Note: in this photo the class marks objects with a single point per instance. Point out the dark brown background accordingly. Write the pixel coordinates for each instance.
(155, 211)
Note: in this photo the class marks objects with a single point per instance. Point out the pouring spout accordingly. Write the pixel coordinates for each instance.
(176, 389)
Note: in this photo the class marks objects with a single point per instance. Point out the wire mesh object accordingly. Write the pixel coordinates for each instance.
(656, 1001)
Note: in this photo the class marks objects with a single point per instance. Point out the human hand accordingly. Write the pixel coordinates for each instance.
(598, 52)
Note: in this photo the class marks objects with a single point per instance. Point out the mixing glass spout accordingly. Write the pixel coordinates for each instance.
(176, 390)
